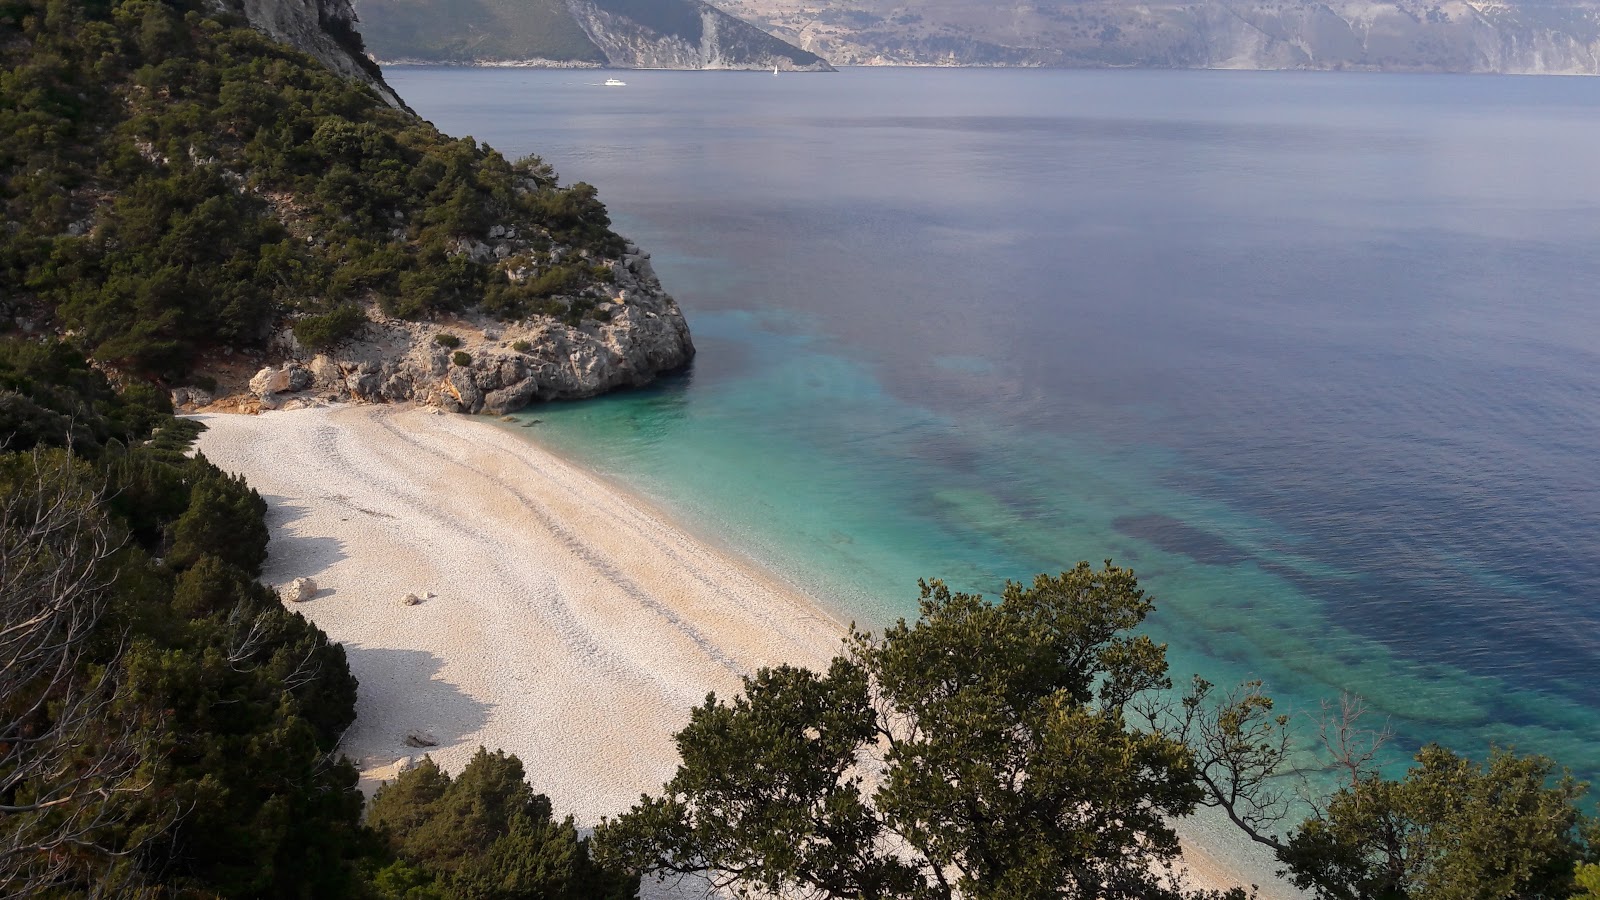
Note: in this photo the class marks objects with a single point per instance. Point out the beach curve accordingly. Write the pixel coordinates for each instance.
(570, 622)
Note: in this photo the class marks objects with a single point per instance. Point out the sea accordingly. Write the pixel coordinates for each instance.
(1317, 354)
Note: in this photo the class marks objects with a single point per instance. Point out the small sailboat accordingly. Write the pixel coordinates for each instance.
(615, 82)
(774, 71)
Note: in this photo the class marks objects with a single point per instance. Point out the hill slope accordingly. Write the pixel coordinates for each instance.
(191, 201)
(1520, 36)
(629, 34)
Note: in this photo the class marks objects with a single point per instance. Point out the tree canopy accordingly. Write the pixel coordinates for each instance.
(983, 751)
(1032, 748)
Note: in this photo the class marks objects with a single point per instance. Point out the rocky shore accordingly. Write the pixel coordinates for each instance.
(474, 363)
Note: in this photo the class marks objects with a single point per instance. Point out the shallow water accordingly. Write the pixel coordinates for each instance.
(1315, 353)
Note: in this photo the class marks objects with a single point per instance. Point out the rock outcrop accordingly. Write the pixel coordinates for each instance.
(324, 29)
(477, 364)
(299, 590)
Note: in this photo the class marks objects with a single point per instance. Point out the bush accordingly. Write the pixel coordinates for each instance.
(522, 346)
(484, 833)
(446, 339)
(461, 358)
(329, 328)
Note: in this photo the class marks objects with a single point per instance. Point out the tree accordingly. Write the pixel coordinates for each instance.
(484, 835)
(1450, 829)
(64, 762)
(981, 752)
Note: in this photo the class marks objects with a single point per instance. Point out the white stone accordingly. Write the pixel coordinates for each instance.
(300, 590)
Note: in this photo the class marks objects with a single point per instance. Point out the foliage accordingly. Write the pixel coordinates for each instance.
(446, 339)
(200, 713)
(1451, 829)
(175, 181)
(1008, 768)
(522, 346)
(322, 331)
(484, 834)
(50, 396)
(461, 358)
(1588, 882)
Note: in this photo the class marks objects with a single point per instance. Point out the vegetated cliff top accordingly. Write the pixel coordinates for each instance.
(617, 33)
(175, 183)
(1513, 36)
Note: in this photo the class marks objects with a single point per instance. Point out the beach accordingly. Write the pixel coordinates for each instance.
(571, 624)
(561, 618)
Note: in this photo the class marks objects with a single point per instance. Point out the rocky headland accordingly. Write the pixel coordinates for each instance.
(609, 324)
(473, 362)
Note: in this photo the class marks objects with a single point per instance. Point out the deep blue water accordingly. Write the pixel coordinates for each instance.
(1317, 354)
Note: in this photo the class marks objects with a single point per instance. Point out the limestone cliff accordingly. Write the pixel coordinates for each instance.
(626, 34)
(1507, 36)
(716, 41)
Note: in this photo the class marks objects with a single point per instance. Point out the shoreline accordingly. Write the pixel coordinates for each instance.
(574, 623)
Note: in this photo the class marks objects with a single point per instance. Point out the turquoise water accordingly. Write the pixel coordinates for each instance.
(1316, 354)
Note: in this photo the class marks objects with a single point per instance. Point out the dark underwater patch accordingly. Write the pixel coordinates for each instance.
(1176, 536)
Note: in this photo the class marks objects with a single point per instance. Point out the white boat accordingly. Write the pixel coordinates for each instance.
(774, 71)
(615, 82)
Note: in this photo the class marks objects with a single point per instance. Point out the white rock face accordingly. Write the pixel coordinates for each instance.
(725, 43)
(1509, 36)
(394, 361)
(326, 29)
(300, 590)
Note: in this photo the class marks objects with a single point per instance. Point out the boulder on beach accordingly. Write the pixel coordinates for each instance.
(300, 590)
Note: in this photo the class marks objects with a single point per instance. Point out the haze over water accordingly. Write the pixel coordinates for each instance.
(1318, 355)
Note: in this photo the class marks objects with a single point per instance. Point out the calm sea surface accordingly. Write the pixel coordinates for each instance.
(1318, 355)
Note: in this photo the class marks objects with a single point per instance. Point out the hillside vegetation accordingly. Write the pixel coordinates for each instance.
(176, 183)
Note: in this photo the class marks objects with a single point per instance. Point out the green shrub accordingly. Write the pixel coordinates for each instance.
(484, 833)
(522, 346)
(329, 328)
(446, 339)
(461, 358)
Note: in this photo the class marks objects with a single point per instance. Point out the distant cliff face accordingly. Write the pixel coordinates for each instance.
(665, 34)
(702, 37)
(325, 29)
(1510, 36)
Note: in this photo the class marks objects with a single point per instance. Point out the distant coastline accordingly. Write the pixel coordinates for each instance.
(492, 63)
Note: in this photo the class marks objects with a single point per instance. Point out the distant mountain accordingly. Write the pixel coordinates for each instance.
(628, 34)
(1512, 36)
